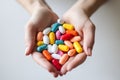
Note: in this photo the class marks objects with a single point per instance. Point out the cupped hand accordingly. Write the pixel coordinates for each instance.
(40, 19)
(86, 29)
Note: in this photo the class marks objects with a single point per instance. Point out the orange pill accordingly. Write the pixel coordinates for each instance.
(76, 38)
(47, 55)
(72, 52)
(63, 59)
(73, 32)
(69, 44)
(39, 36)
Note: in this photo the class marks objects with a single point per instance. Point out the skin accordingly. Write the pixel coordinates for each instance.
(42, 16)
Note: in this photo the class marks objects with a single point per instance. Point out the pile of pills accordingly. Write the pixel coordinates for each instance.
(58, 43)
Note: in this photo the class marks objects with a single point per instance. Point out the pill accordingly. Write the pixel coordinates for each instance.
(76, 38)
(55, 27)
(50, 49)
(68, 26)
(77, 47)
(54, 48)
(63, 48)
(42, 47)
(61, 29)
(39, 36)
(59, 42)
(66, 37)
(52, 37)
(39, 43)
(69, 44)
(46, 39)
(73, 32)
(60, 21)
(72, 52)
(60, 52)
(55, 62)
(58, 34)
(46, 31)
(63, 59)
(56, 56)
(47, 55)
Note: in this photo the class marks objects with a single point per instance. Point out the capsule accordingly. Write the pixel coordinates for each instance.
(56, 56)
(39, 36)
(39, 43)
(73, 32)
(61, 29)
(68, 26)
(50, 49)
(60, 53)
(77, 47)
(63, 59)
(63, 48)
(46, 39)
(52, 37)
(76, 38)
(55, 48)
(69, 44)
(55, 26)
(60, 21)
(47, 55)
(46, 31)
(59, 42)
(42, 47)
(72, 52)
(55, 62)
(66, 37)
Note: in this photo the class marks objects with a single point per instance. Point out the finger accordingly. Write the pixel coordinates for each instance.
(64, 67)
(39, 58)
(78, 59)
(88, 41)
(30, 34)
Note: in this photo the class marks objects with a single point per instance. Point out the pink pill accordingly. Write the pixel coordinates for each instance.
(60, 53)
(69, 44)
(58, 34)
(76, 39)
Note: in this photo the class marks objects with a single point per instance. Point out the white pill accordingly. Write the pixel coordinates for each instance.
(45, 39)
(50, 48)
(61, 29)
(60, 21)
(46, 30)
(56, 56)
(55, 48)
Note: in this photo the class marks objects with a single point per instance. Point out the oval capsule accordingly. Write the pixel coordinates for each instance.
(47, 55)
(68, 26)
(55, 26)
(63, 48)
(73, 32)
(52, 37)
(55, 62)
(54, 48)
(46, 31)
(50, 49)
(56, 56)
(61, 29)
(63, 59)
(60, 21)
(39, 36)
(76, 38)
(59, 42)
(69, 44)
(39, 43)
(72, 52)
(66, 37)
(77, 47)
(58, 34)
(42, 47)
(60, 53)
(46, 39)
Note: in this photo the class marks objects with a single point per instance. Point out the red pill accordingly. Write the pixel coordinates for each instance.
(66, 37)
(55, 62)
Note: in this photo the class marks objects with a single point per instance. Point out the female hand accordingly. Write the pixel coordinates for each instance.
(86, 29)
(41, 18)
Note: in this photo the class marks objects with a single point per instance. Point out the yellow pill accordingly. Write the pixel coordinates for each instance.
(63, 48)
(52, 37)
(77, 47)
(40, 43)
(68, 26)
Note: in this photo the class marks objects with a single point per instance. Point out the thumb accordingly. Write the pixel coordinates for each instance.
(29, 37)
(88, 41)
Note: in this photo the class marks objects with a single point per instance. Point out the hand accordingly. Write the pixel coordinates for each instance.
(41, 18)
(86, 30)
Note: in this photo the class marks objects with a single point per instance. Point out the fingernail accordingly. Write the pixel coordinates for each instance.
(89, 52)
(26, 51)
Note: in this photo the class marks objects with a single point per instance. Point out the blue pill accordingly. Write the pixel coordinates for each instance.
(42, 47)
(59, 42)
(55, 27)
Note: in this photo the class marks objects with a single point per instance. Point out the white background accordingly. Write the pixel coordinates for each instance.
(103, 65)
